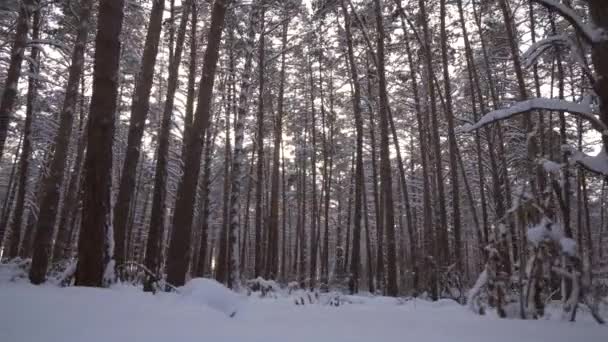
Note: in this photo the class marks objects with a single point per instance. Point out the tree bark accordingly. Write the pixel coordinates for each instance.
(27, 137)
(94, 247)
(453, 147)
(273, 221)
(52, 182)
(259, 178)
(139, 113)
(392, 288)
(9, 95)
(178, 256)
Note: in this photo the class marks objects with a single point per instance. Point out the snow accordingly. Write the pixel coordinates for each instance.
(583, 110)
(551, 166)
(589, 31)
(568, 246)
(210, 293)
(547, 230)
(536, 50)
(597, 163)
(121, 313)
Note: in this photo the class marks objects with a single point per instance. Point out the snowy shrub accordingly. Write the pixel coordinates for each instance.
(15, 270)
(266, 288)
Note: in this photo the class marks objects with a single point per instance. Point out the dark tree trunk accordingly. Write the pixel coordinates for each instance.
(358, 164)
(178, 256)
(9, 95)
(392, 288)
(442, 250)
(11, 189)
(93, 246)
(313, 169)
(52, 182)
(453, 147)
(27, 137)
(273, 222)
(159, 199)
(259, 178)
(139, 113)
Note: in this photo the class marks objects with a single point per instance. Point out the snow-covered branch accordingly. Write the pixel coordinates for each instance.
(597, 164)
(559, 41)
(583, 111)
(538, 48)
(588, 31)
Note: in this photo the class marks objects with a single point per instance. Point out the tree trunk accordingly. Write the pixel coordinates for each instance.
(9, 95)
(27, 137)
(52, 182)
(259, 178)
(178, 256)
(10, 191)
(453, 147)
(392, 288)
(139, 113)
(358, 165)
(94, 247)
(273, 222)
(442, 250)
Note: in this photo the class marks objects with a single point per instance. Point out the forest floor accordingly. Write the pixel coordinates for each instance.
(202, 311)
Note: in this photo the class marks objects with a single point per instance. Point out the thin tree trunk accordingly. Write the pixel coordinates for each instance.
(259, 179)
(273, 222)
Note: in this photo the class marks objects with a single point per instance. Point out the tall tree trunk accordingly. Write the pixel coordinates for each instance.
(375, 182)
(94, 247)
(192, 66)
(52, 182)
(259, 179)
(10, 191)
(442, 250)
(27, 137)
(599, 54)
(159, 198)
(453, 147)
(62, 245)
(139, 113)
(392, 288)
(273, 222)
(9, 95)
(204, 211)
(221, 274)
(313, 168)
(238, 156)
(426, 198)
(472, 72)
(178, 256)
(358, 164)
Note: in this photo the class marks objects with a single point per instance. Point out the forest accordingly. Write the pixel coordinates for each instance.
(430, 149)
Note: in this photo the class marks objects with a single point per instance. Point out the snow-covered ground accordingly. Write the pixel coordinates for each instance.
(202, 310)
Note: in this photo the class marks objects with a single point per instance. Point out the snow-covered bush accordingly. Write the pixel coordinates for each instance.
(265, 288)
(15, 270)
